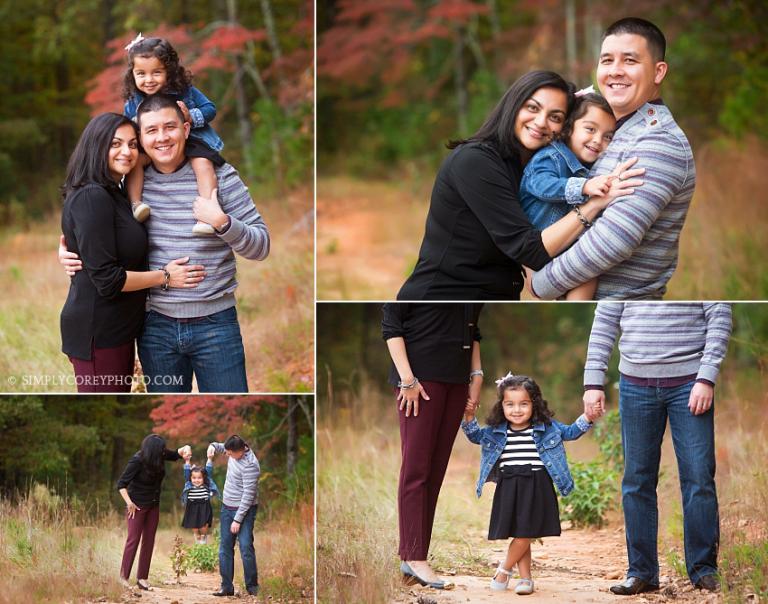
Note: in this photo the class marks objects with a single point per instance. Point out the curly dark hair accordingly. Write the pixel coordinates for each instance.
(179, 79)
(541, 412)
(203, 472)
(580, 108)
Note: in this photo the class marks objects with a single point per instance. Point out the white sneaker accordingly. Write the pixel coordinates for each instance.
(524, 587)
(141, 211)
(201, 228)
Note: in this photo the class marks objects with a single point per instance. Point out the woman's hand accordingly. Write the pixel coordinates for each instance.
(409, 399)
(184, 275)
(132, 507)
(470, 410)
(69, 260)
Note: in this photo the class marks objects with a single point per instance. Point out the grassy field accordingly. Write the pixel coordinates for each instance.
(53, 550)
(357, 514)
(369, 232)
(275, 304)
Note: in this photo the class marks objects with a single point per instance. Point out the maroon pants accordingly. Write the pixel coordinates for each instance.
(426, 442)
(142, 526)
(109, 370)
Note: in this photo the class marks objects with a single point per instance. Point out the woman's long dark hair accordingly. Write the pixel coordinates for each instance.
(178, 79)
(151, 454)
(89, 162)
(499, 126)
(540, 414)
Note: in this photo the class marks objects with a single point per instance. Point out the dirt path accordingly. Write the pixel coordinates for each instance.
(196, 588)
(578, 567)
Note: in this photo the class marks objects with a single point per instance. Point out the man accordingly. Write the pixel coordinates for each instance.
(670, 359)
(239, 503)
(192, 331)
(633, 246)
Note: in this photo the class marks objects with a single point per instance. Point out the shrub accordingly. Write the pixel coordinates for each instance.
(593, 495)
(201, 557)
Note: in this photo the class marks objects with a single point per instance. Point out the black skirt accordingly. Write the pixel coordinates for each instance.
(197, 148)
(524, 504)
(197, 514)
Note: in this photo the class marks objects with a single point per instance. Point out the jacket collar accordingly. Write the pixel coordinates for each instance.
(573, 163)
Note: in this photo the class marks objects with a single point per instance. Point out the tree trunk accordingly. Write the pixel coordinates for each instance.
(292, 444)
(570, 40)
(241, 102)
(460, 79)
(274, 42)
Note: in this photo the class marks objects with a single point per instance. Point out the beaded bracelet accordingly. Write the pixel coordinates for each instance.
(587, 224)
(408, 386)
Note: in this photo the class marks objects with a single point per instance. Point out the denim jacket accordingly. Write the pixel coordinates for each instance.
(552, 184)
(214, 490)
(201, 110)
(549, 443)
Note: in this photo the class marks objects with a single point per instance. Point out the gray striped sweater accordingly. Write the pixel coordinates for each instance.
(241, 487)
(659, 340)
(633, 246)
(170, 236)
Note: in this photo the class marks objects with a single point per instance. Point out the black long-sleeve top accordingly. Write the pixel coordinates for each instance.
(477, 235)
(143, 486)
(438, 338)
(98, 226)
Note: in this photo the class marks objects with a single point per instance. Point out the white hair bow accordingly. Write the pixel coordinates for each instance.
(506, 377)
(134, 42)
(588, 90)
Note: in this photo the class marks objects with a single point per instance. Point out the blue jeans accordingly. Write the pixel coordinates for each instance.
(227, 550)
(644, 412)
(211, 347)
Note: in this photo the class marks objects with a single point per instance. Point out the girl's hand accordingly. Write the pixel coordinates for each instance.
(409, 399)
(184, 275)
(69, 260)
(185, 111)
(132, 507)
(598, 186)
(185, 451)
(469, 410)
(211, 451)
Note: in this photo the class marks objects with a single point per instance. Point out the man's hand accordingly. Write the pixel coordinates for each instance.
(701, 398)
(69, 260)
(209, 211)
(210, 452)
(594, 404)
(234, 528)
(185, 111)
(527, 282)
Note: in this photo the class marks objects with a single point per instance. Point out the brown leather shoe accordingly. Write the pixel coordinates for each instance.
(633, 586)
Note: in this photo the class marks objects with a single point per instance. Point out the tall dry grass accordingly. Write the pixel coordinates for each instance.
(365, 252)
(275, 305)
(58, 550)
(358, 464)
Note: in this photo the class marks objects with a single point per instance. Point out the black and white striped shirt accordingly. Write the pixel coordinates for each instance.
(520, 449)
(200, 493)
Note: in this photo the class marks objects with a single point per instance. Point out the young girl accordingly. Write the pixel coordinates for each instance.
(196, 497)
(153, 66)
(523, 452)
(555, 181)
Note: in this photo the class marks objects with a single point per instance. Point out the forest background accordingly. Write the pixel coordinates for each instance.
(356, 495)
(63, 62)
(397, 80)
(61, 517)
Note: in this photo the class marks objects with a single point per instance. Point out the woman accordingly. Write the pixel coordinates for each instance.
(435, 350)
(104, 311)
(140, 486)
(477, 237)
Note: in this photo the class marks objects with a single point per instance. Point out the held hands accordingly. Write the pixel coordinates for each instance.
(701, 398)
(409, 398)
(210, 452)
(185, 452)
(623, 182)
(594, 404)
(598, 186)
(208, 210)
(470, 410)
(183, 275)
(69, 260)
